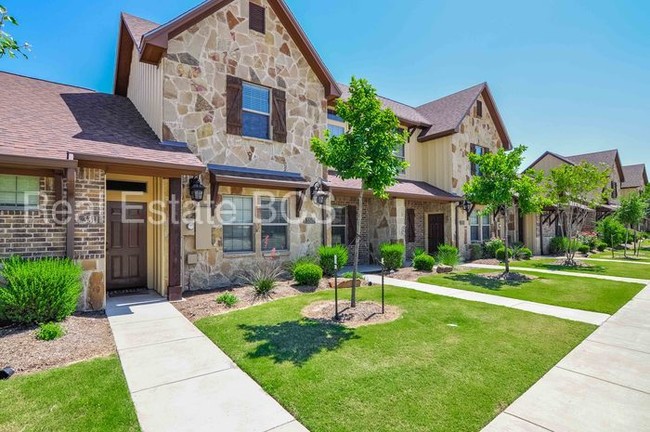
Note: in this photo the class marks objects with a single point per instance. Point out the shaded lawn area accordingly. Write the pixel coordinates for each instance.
(595, 267)
(568, 291)
(87, 396)
(446, 365)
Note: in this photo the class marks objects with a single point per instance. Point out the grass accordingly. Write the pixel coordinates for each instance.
(87, 396)
(568, 291)
(629, 270)
(446, 365)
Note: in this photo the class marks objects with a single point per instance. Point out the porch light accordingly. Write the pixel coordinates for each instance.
(196, 189)
(318, 193)
(467, 206)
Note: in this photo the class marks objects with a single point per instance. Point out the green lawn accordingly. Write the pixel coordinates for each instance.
(87, 396)
(644, 256)
(446, 365)
(568, 291)
(629, 270)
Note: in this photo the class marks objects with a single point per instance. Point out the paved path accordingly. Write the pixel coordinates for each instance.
(616, 261)
(556, 311)
(179, 380)
(603, 385)
(563, 273)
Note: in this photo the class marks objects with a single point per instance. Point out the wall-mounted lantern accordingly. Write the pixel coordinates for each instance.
(319, 192)
(196, 189)
(467, 206)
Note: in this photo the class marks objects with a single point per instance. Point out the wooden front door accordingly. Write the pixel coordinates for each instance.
(126, 247)
(436, 232)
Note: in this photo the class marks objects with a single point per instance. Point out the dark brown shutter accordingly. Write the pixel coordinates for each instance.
(351, 224)
(472, 149)
(279, 120)
(256, 19)
(479, 109)
(410, 225)
(234, 105)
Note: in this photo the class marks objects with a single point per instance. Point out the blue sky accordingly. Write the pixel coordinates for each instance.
(567, 76)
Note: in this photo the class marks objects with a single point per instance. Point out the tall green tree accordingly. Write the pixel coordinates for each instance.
(8, 45)
(365, 152)
(499, 187)
(631, 213)
(575, 190)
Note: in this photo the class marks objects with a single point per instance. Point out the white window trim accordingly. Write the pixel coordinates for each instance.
(480, 226)
(268, 114)
(285, 202)
(251, 224)
(344, 225)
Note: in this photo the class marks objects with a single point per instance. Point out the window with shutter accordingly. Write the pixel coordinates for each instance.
(279, 120)
(256, 18)
(234, 105)
(479, 109)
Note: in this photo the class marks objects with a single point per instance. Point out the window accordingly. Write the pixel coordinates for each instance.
(339, 226)
(479, 227)
(275, 228)
(331, 115)
(614, 189)
(237, 220)
(256, 111)
(19, 192)
(256, 18)
(479, 150)
(479, 109)
(400, 152)
(335, 130)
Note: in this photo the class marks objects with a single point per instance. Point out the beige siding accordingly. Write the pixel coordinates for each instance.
(547, 163)
(146, 91)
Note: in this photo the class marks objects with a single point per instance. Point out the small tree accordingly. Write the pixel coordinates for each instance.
(631, 213)
(365, 152)
(499, 186)
(611, 231)
(9, 45)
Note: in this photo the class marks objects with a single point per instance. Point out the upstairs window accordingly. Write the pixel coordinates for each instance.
(331, 115)
(256, 18)
(400, 152)
(614, 189)
(19, 192)
(275, 225)
(479, 150)
(335, 130)
(479, 109)
(256, 111)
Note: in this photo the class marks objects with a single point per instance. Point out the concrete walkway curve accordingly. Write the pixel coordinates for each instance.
(616, 261)
(179, 380)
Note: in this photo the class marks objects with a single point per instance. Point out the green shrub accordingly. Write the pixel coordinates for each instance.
(501, 253)
(263, 276)
(227, 299)
(475, 251)
(423, 262)
(601, 246)
(49, 331)
(448, 255)
(558, 245)
(525, 253)
(491, 247)
(326, 258)
(611, 231)
(418, 252)
(37, 291)
(291, 265)
(348, 275)
(308, 274)
(584, 249)
(393, 255)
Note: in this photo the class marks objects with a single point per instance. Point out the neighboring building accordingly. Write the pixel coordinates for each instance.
(424, 207)
(548, 222)
(636, 179)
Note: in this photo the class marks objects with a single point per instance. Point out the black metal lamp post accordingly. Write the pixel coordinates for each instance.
(196, 189)
(382, 285)
(336, 288)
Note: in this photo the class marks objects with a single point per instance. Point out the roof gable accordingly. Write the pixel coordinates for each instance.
(446, 114)
(635, 176)
(607, 157)
(153, 42)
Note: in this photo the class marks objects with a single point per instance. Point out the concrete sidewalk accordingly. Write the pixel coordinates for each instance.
(179, 380)
(559, 272)
(543, 309)
(602, 385)
(616, 261)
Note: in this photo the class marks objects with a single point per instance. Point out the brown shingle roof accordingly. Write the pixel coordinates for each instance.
(607, 157)
(404, 112)
(50, 120)
(445, 114)
(635, 176)
(404, 189)
(138, 26)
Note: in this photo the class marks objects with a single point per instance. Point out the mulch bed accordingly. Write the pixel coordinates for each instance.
(365, 313)
(486, 261)
(578, 264)
(201, 304)
(88, 335)
(409, 274)
(510, 277)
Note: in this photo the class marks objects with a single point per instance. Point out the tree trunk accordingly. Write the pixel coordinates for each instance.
(357, 242)
(506, 259)
(627, 236)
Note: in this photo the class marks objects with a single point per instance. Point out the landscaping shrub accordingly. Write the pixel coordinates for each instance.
(393, 255)
(49, 331)
(423, 262)
(348, 275)
(475, 251)
(263, 276)
(326, 257)
(501, 253)
(525, 254)
(601, 246)
(558, 245)
(611, 231)
(491, 247)
(418, 252)
(227, 299)
(308, 274)
(38, 291)
(448, 255)
(584, 249)
(291, 265)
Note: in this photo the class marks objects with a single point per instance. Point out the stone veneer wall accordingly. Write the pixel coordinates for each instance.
(386, 222)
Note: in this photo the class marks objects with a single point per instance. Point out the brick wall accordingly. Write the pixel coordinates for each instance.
(364, 253)
(89, 242)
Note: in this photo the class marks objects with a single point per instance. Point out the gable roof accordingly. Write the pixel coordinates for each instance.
(635, 176)
(407, 114)
(446, 114)
(57, 121)
(608, 157)
(152, 43)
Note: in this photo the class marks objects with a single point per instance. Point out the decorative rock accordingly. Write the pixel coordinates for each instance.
(345, 282)
(444, 269)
